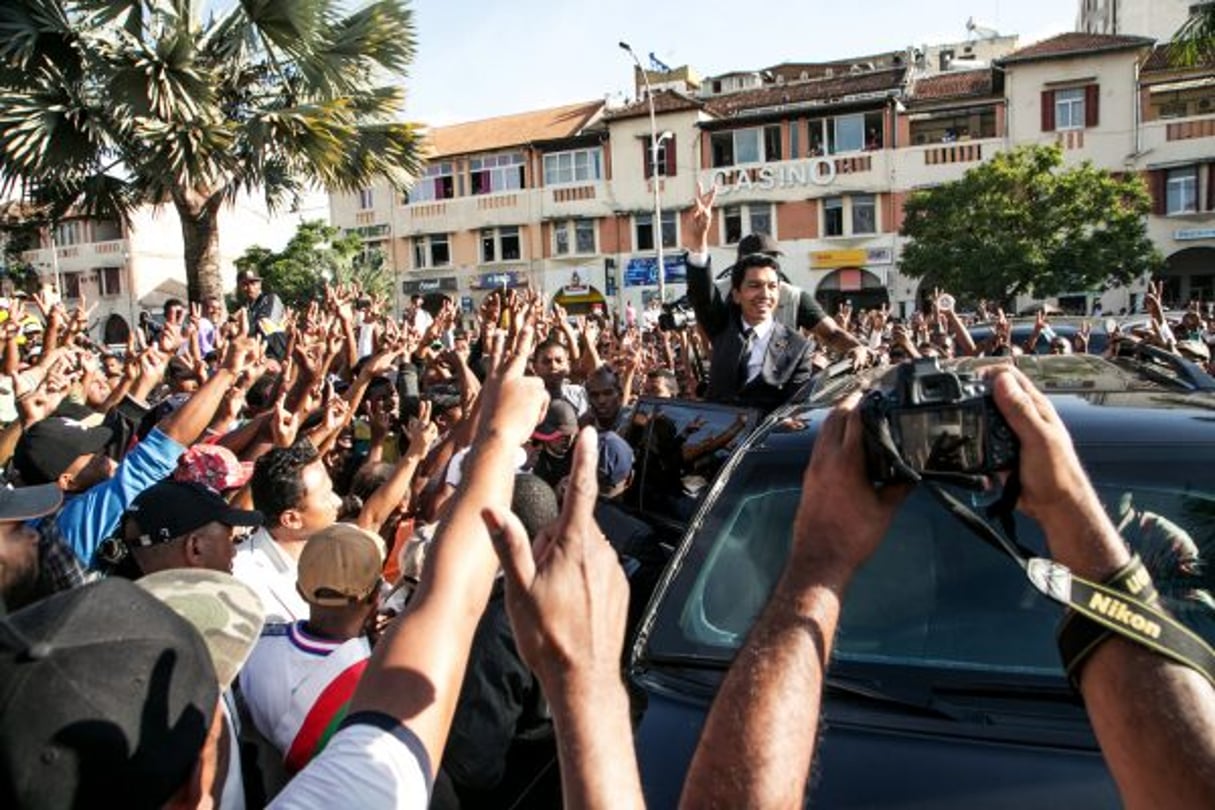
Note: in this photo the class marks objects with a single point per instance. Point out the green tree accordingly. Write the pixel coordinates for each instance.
(1020, 223)
(314, 256)
(106, 105)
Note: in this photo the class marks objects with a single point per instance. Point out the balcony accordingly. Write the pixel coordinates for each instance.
(934, 163)
(1178, 139)
(84, 256)
(953, 153)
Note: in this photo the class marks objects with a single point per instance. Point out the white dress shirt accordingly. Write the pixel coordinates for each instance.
(759, 346)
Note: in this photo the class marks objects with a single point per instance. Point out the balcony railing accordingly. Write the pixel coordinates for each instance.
(568, 194)
(496, 202)
(953, 153)
(1194, 128)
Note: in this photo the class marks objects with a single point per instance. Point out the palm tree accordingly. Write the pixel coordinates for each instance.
(106, 105)
(1194, 42)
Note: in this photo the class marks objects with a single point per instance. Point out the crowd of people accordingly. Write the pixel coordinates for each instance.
(336, 557)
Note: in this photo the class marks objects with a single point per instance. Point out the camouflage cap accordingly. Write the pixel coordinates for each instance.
(226, 612)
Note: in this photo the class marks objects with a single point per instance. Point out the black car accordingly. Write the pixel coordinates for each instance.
(945, 689)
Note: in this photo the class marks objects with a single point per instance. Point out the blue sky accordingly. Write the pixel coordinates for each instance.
(480, 59)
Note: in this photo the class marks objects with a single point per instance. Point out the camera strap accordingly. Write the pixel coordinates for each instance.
(1126, 604)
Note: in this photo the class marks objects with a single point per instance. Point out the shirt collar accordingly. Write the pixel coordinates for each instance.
(761, 329)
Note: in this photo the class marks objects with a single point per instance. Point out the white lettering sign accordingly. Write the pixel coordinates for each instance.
(818, 172)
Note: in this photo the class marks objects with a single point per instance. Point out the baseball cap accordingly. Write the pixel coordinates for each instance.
(247, 275)
(49, 446)
(214, 466)
(758, 243)
(106, 698)
(615, 460)
(27, 503)
(225, 611)
(171, 509)
(340, 565)
(559, 420)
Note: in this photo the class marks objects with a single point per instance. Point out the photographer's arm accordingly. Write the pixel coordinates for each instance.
(1154, 719)
(758, 742)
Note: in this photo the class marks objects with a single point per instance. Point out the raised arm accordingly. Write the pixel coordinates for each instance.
(189, 421)
(758, 742)
(415, 673)
(712, 311)
(567, 603)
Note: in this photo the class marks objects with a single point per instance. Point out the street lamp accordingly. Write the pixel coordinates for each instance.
(655, 140)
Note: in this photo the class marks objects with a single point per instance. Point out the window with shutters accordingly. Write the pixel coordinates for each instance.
(666, 157)
(1070, 108)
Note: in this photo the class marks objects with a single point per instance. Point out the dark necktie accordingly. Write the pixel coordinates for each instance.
(744, 358)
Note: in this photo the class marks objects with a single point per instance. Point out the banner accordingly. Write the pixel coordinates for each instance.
(643, 272)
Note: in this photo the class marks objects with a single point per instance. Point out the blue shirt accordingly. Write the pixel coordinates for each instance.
(90, 517)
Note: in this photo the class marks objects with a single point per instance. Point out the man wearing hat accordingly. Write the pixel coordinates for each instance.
(19, 566)
(796, 308)
(264, 310)
(176, 524)
(301, 676)
(553, 439)
(111, 693)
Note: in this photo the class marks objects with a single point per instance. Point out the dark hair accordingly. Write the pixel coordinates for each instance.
(606, 373)
(549, 343)
(173, 302)
(278, 482)
(739, 271)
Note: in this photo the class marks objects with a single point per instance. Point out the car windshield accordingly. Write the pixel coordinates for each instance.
(934, 594)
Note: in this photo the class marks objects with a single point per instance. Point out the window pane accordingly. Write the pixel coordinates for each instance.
(746, 146)
(439, 254)
(864, 214)
(1182, 190)
(761, 219)
(669, 238)
(584, 230)
(733, 219)
(833, 211)
(419, 251)
(772, 150)
(722, 144)
(645, 231)
(487, 246)
(561, 238)
(849, 133)
(1069, 108)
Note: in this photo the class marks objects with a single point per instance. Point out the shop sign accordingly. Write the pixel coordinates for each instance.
(643, 272)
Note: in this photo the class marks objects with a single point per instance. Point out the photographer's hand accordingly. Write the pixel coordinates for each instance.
(758, 742)
(1154, 719)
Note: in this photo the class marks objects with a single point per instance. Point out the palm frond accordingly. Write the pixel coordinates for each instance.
(1194, 42)
(33, 35)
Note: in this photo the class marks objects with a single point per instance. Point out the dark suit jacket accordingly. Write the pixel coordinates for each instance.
(787, 363)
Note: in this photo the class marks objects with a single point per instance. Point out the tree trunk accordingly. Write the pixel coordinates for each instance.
(200, 238)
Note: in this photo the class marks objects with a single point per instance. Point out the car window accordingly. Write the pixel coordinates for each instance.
(933, 593)
(679, 448)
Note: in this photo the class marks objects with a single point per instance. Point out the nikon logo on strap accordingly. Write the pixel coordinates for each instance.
(1118, 611)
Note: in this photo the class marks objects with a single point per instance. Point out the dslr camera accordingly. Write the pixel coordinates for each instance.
(936, 424)
(677, 315)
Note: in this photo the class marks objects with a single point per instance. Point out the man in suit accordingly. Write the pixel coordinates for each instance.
(756, 360)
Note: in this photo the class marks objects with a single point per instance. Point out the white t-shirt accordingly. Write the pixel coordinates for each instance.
(455, 466)
(272, 573)
(372, 762)
(294, 681)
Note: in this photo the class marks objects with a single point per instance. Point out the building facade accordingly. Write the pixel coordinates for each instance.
(133, 268)
(1158, 19)
(820, 155)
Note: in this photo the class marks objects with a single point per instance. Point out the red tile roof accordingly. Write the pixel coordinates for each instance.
(962, 84)
(1075, 43)
(664, 101)
(840, 86)
(511, 130)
